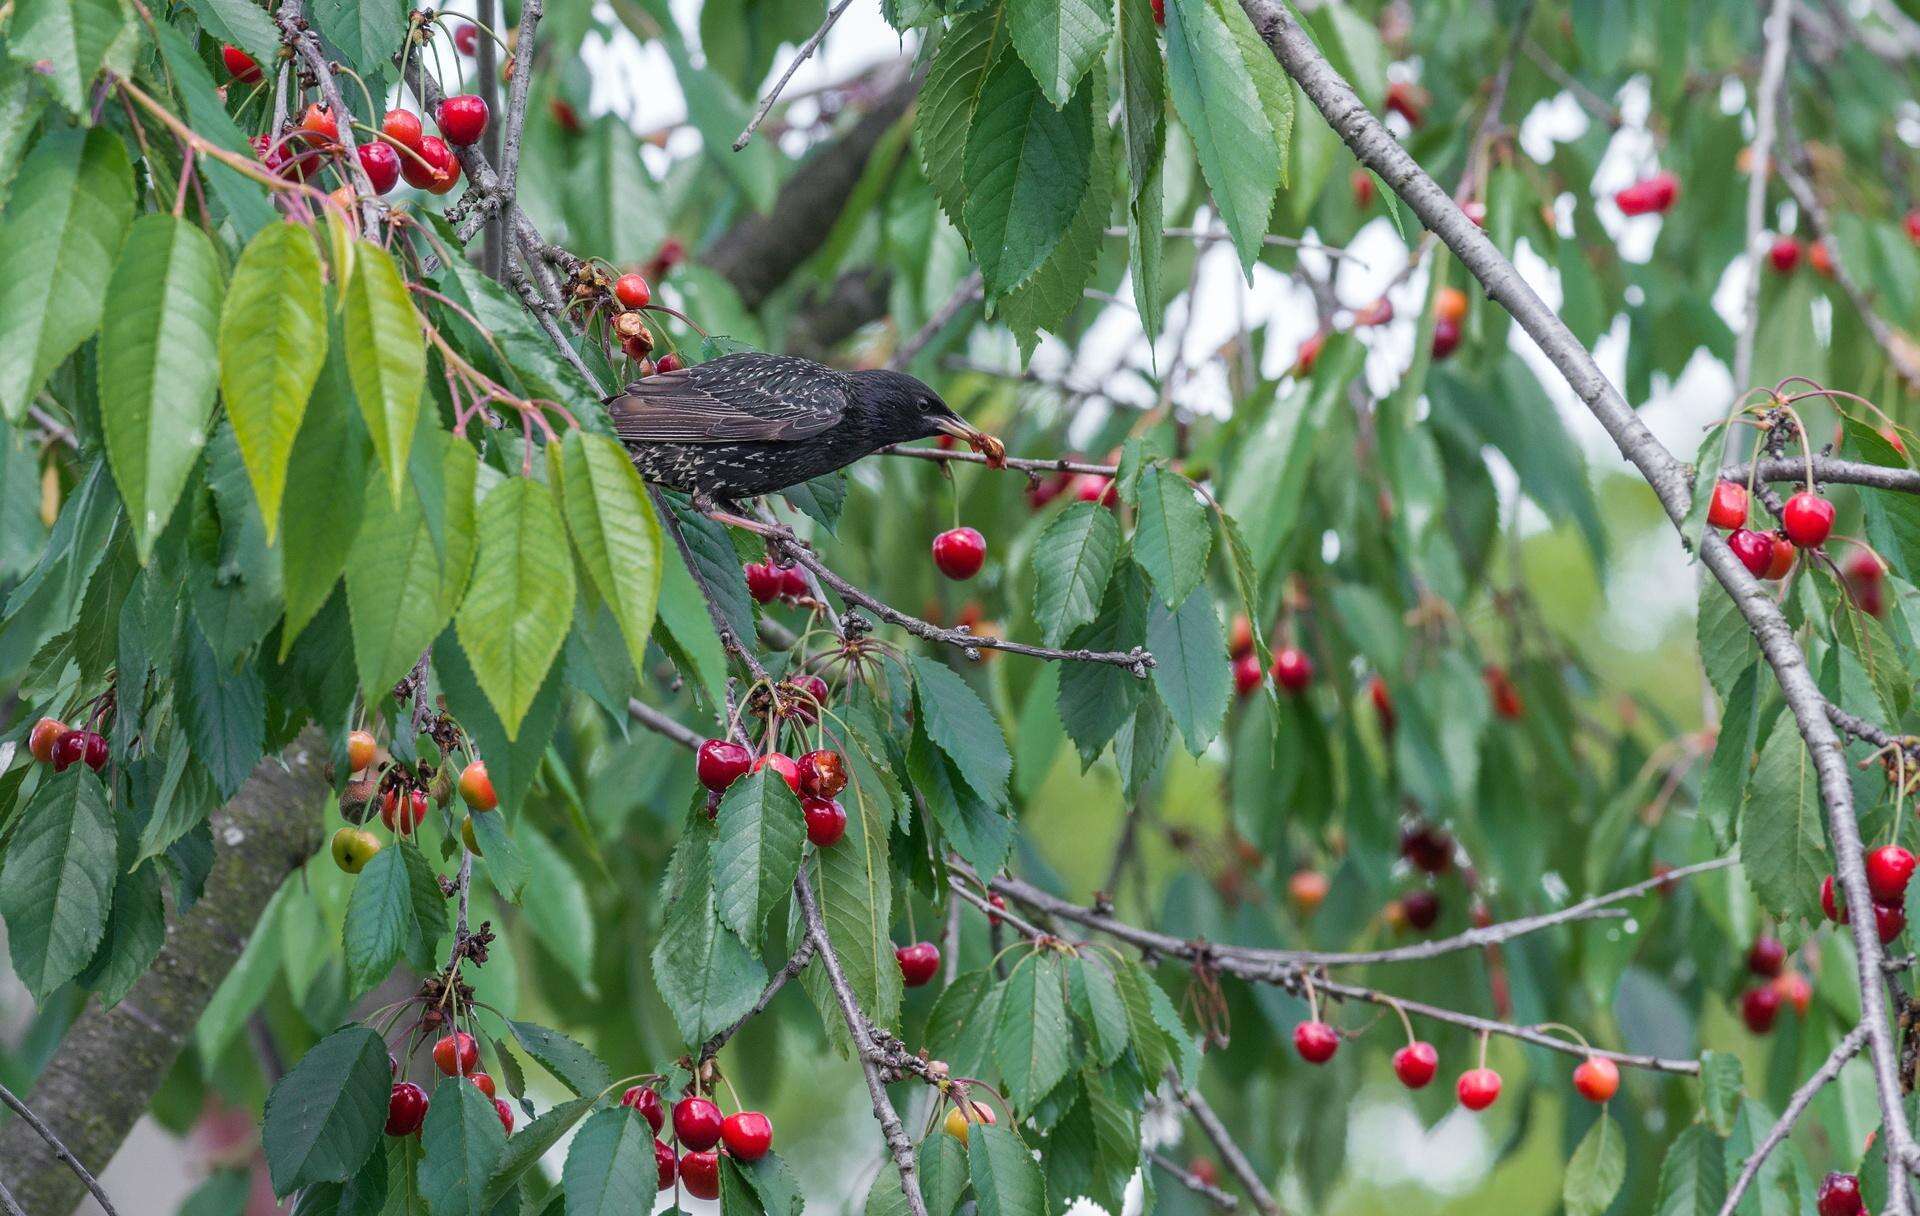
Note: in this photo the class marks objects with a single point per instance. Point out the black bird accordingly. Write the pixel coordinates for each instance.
(750, 424)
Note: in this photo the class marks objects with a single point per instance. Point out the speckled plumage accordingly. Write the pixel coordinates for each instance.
(749, 424)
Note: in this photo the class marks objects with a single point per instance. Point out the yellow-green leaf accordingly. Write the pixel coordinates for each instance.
(615, 532)
(517, 610)
(385, 357)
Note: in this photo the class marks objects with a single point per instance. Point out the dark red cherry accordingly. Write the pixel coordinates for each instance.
(917, 962)
(1766, 956)
(1415, 1064)
(646, 1100)
(1315, 1041)
(826, 821)
(406, 1109)
(1754, 549)
(721, 762)
(696, 1123)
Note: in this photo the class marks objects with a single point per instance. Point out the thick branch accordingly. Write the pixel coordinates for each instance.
(1847, 1048)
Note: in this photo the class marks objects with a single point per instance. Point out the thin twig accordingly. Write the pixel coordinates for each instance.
(60, 1150)
(660, 723)
(1776, 33)
(1223, 1142)
(966, 293)
(1224, 1200)
(796, 963)
(1847, 1048)
(1016, 463)
(806, 51)
(1208, 236)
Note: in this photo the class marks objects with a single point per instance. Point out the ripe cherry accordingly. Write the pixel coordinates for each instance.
(381, 164)
(1429, 848)
(1830, 903)
(1820, 257)
(810, 691)
(361, 748)
(1807, 519)
(1754, 549)
(1889, 920)
(764, 581)
(456, 1054)
(826, 821)
(1309, 354)
(1446, 337)
(696, 1123)
(483, 1083)
(1315, 1041)
(1403, 99)
(1246, 673)
(1758, 1007)
(995, 901)
(917, 962)
(1422, 909)
(1293, 669)
(1377, 313)
(1863, 566)
(1780, 560)
(1912, 223)
(1450, 304)
(1889, 869)
(1839, 1195)
(793, 579)
(406, 1109)
(1308, 890)
(959, 552)
(353, 848)
(1784, 253)
(1504, 694)
(46, 732)
(665, 1164)
(466, 40)
(700, 1174)
(959, 1122)
(1363, 189)
(403, 811)
(1240, 636)
(1597, 1078)
(1382, 703)
(748, 1135)
(669, 362)
(1728, 508)
(462, 119)
(319, 126)
(1477, 1088)
(1159, 11)
(240, 65)
(1766, 956)
(505, 1112)
(721, 762)
(1650, 196)
(69, 749)
(1415, 1064)
(823, 774)
(646, 1100)
(431, 165)
(632, 291)
(1796, 991)
(402, 129)
(1476, 211)
(783, 765)
(477, 788)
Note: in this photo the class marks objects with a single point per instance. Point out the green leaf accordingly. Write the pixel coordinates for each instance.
(391, 915)
(158, 361)
(527, 1146)
(1782, 846)
(517, 612)
(1006, 1180)
(506, 865)
(1073, 559)
(461, 1142)
(1721, 1083)
(610, 1169)
(324, 499)
(943, 1173)
(1596, 1170)
(1034, 1046)
(1097, 1005)
(573, 1065)
(1276, 91)
(950, 99)
(958, 721)
(225, 712)
(324, 1118)
(1707, 460)
(136, 929)
(853, 880)
(1693, 1178)
(960, 1028)
(366, 31)
(1226, 118)
(615, 532)
(243, 23)
(1060, 40)
(273, 342)
(1143, 124)
(205, 107)
(1190, 666)
(1096, 699)
(66, 41)
(386, 359)
(57, 886)
(706, 974)
(980, 831)
(559, 915)
(1171, 539)
(757, 853)
(1027, 167)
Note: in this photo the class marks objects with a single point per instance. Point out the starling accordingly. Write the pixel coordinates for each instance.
(749, 424)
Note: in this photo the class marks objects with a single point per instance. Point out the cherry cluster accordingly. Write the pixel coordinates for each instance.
(457, 1055)
(1806, 520)
(1085, 487)
(403, 801)
(1649, 196)
(1786, 250)
(1760, 1004)
(701, 1132)
(52, 742)
(1889, 870)
(817, 777)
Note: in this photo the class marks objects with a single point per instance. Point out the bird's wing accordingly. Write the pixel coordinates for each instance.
(730, 399)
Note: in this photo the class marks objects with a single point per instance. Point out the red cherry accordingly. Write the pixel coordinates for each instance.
(1839, 1195)
(381, 164)
(823, 774)
(748, 1135)
(632, 291)
(483, 1083)
(462, 119)
(1201, 1167)
(764, 581)
(809, 691)
(1807, 519)
(1889, 920)
(1754, 549)
(1796, 991)
(793, 579)
(1780, 559)
(1477, 1088)
(783, 765)
(1476, 211)
(1597, 1078)
(646, 1100)
(1415, 1064)
(1422, 909)
(46, 732)
(1382, 703)
(1095, 487)
(1159, 12)
(1293, 669)
(1728, 508)
(401, 129)
(406, 1109)
(720, 763)
(1889, 868)
(1315, 1041)
(466, 40)
(995, 901)
(69, 749)
(1784, 253)
(477, 788)
(665, 1164)
(240, 65)
(826, 821)
(700, 1174)
(1662, 191)
(1377, 313)
(1364, 190)
(1500, 687)
(1427, 847)
(1863, 566)
(431, 165)
(1240, 636)
(1246, 673)
(959, 552)
(1892, 436)
(670, 362)
(1820, 257)
(917, 962)
(319, 126)
(1308, 354)
(696, 1123)
(1758, 1007)
(1766, 956)
(1446, 337)
(1829, 903)
(505, 1112)
(1404, 101)
(1913, 226)
(457, 1054)
(403, 812)
(93, 749)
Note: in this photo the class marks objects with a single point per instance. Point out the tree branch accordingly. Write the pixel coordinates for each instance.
(796, 963)
(1829, 468)
(292, 23)
(1777, 34)
(60, 1151)
(1847, 1048)
(806, 51)
(1223, 1200)
(1223, 1142)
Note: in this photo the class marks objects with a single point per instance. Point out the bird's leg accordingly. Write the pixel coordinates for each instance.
(728, 513)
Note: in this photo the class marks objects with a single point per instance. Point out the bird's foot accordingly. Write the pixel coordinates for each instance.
(729, 514)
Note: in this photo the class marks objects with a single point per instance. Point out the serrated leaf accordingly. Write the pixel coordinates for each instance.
(757, 852)
(960, 1028)
(1097, 1005)
(1097, 699)
(386, 359)
(384, 920)
(1190, 666)
(136, 929)
(273, 343)
(610, 1169)
(1028, 165)
(949, 99)
(158, 362)
(325, 1116)
(1143, 119)
(943, 1173)
(615, 532)
(853, 880)
(324, 498)
(1073, 559)
(1721, 1081)
(1226, 118)
(366, 31)
(66, 41)
(1782, 845)
(518, 609)
(1693, 1177)
(1006, 1180)
(243, 23)
(573, 1065)
(1596, 1169)
(1060, 40)
(527, 1146)
(57, 886)
(956, 719)
(225, 713)
(705, 973)
(1171, 539)
(560, 916)
(72, 204)
(1034, 1047)
(461, 1144)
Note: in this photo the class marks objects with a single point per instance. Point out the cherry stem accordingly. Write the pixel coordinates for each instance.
(1567, 1030)
(1484, 1036)
(1404, 1022)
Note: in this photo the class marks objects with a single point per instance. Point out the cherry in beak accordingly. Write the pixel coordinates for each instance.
(975, 438)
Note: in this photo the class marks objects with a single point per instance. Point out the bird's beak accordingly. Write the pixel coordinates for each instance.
(977, 439)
